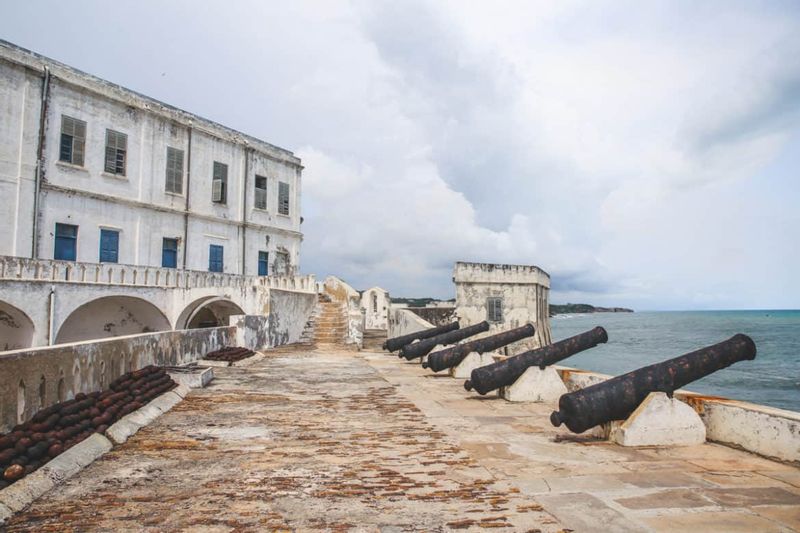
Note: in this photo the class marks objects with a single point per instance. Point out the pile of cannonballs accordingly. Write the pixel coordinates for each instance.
(229, 354)
(59, 427)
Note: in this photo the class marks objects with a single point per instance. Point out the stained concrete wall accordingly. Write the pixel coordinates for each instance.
(136, 204)
(289, 313)
(438, 316)
(402, 322)
(767, 431)
(524, 291)
(32, 379)
(342, 293)
(376, 303)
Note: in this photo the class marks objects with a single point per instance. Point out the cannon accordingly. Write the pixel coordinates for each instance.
(424, 347)
(451, 357)
(504, 373)
(617, 398)
(395, 343)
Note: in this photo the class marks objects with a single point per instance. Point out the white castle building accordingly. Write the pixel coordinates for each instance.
(120, 214)
(93, 172)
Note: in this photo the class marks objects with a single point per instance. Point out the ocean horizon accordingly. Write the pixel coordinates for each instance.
(645, 337)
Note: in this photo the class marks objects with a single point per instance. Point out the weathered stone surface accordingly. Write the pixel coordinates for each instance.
(659, 421)
(788, 515)
(746, 496)
(472, 361)
(306, 442)
(192, 378)
(583, 512)
(729, 522)
(535, 385)
(675, 498)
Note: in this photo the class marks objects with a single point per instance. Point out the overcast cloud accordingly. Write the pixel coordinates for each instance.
(643, 153)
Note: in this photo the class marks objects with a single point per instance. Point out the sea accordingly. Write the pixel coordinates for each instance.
(642, 338)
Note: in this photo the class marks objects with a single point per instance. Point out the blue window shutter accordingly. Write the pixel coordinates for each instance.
(169, 253)
(263, 268)
(66, 240)
(215, 258)
(109, 246)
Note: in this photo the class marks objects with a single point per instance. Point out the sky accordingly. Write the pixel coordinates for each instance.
(644, 154)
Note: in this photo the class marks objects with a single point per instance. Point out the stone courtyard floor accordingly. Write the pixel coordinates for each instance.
(343, 441)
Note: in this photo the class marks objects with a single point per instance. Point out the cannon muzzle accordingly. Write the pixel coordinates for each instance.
(424, 347)
(617, 398)
(504, 373)
(395, 343)
(451, 357)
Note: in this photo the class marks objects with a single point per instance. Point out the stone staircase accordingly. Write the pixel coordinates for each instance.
(374, 339)
(330, 322)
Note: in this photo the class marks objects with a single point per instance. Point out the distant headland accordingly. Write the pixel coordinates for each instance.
(570, 309)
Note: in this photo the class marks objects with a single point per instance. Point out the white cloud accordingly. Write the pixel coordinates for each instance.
(638, 153)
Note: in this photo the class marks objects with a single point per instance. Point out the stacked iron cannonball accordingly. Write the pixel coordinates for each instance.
(230, 354)
(61, 426)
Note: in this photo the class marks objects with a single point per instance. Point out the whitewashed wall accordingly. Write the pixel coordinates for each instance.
(136, 204)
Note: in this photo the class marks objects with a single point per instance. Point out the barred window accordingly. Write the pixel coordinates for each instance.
(283, 198)
(174, 170)
(494, 309)
(73, 140)
(219, 183)
(261, 192)
(116, 150)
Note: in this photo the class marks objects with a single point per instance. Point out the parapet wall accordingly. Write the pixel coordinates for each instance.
(767, 431)
(31, 379)
(496, 273)
(402, 322)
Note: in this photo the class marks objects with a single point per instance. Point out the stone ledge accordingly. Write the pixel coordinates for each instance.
(26, 490)
(18, 496)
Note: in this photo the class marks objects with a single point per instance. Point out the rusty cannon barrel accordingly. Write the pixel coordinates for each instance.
(424, 347)
(451, 357)
(617, 398)
(395, 343)
(504, 373)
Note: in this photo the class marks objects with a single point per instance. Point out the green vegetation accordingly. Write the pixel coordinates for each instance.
(570, 309)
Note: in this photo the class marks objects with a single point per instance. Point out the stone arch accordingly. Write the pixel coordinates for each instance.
(112, 316)
(16, 328)
(207, 312)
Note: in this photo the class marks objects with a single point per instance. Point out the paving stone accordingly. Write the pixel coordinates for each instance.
(792, 477)
(788, 515)
(748, 496)
(583, 512)
(739, 479)
(672, 499)
(727, 522)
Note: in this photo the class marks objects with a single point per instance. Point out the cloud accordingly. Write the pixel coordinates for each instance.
(640, 154)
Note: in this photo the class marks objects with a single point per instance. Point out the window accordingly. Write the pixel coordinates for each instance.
(116, 148)
(174, 170)
(73, 140)
(219, 184)
(494, 309)
(66, 242)
(283, 198)
(261, 192)
(169, 253)
(281, 266)
(263, 268)
(215, 258)
(109, 246)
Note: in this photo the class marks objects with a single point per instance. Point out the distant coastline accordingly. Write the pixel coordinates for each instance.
(575, 309)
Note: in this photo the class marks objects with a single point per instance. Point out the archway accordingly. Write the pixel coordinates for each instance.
(208, 312)
(16, 328)
(112, 316)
